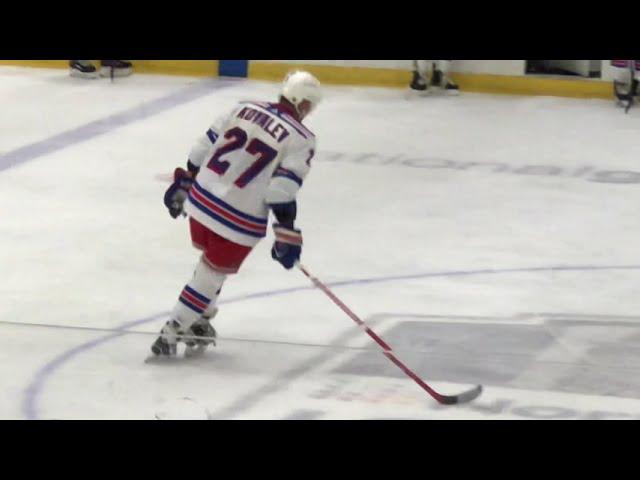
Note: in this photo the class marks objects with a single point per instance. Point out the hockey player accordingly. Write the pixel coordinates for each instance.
(248, 163)
(625, 85)
(439, 76)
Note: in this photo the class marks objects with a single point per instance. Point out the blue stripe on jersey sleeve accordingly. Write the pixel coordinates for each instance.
(283, 172)
(213, 136)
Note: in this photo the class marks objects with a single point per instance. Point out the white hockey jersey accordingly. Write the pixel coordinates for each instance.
(257, 155)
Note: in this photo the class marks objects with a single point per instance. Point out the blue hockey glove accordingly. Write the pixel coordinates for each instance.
(177, 193)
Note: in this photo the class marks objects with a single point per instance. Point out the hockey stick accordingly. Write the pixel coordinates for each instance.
(463, 397)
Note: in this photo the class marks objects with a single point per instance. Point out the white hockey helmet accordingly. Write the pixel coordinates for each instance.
(299, 86)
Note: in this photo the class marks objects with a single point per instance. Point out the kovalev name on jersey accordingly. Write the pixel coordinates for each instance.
(256, 156)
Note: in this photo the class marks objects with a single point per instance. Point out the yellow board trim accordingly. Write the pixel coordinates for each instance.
(385, 77)
(37, 63)
(330, 74)
(534, 85)
(378, 77)
(192, 68)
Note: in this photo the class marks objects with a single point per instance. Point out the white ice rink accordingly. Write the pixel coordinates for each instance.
(488, 239)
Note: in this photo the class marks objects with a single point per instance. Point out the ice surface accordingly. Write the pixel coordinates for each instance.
(489, 239)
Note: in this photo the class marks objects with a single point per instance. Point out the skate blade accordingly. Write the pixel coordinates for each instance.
(105, 72)
(423, 93)
(160, 359)
(89, 75)
(195, 352)
(411, 94)
(443, 92)
(189, 353)
(432, 92)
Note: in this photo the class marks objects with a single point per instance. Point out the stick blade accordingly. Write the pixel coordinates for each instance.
(464, 397)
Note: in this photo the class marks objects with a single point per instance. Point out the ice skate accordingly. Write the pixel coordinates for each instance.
(207, 336)
(82, 69)
(115, 68)
(446, 85)
(418, 82)
(166, 345)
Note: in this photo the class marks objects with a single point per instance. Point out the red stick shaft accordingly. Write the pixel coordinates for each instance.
(387, 349)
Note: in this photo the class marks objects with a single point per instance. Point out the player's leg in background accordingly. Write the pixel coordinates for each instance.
(115, 68)
(441, 76)
(82, 69)
(419, 80)
(625, 83)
